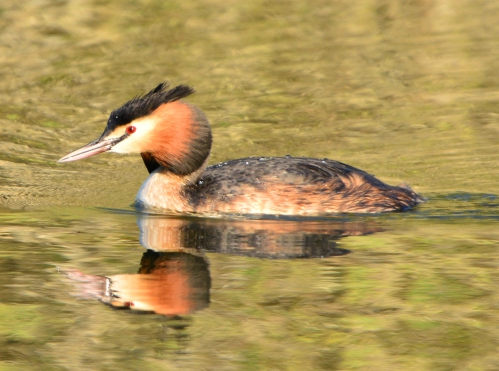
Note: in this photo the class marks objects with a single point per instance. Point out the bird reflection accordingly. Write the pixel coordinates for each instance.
(174, 278)
(257, 238)
(168, 283)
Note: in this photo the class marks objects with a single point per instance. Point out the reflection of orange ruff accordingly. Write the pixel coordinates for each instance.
(167, 283)
(167, 293)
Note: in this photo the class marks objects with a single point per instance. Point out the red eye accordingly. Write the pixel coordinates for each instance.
(130, 129)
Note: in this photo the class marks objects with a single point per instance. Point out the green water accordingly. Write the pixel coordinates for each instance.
(406, 90)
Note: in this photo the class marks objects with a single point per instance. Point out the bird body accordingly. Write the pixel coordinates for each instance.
(174, 140)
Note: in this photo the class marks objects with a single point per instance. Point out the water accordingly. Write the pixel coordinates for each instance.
(405, 90)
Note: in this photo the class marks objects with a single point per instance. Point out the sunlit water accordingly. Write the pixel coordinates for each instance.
(405, 90)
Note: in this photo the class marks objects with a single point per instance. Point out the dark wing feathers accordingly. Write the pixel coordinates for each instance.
(257, 172)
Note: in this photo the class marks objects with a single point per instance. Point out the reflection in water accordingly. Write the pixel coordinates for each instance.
(257, 238)
(168, 283)
(174, 279)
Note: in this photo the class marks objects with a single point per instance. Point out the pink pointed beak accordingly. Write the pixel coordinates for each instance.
(93, 148)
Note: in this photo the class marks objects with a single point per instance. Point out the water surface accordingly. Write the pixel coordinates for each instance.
(407, 91)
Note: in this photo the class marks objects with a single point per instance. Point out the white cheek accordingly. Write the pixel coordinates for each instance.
(122, 147)
(135, 142)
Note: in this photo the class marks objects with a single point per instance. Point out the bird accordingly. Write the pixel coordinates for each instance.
(174, 139)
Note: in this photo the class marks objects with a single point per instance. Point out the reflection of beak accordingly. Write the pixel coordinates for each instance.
(93, 148)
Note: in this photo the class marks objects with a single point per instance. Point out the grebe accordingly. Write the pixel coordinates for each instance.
(174, 140)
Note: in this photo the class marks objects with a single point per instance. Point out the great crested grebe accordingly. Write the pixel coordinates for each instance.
(174, 140)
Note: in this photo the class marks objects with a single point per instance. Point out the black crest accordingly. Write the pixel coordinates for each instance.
(144, 105)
